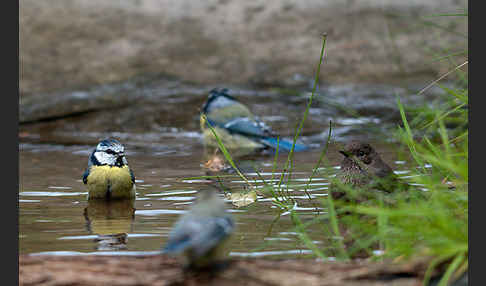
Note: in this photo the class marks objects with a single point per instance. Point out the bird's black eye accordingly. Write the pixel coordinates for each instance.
(110, 152)
(361, 153)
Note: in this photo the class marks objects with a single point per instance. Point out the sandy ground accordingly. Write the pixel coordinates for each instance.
(69, 44)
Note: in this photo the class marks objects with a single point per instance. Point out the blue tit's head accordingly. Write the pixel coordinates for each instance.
(217, 98)
(109, 152)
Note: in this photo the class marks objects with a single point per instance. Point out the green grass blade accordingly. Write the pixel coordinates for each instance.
(225, 151)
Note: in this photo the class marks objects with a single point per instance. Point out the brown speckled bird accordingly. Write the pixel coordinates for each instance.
(362, 167)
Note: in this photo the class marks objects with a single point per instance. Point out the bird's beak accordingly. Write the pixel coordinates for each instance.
(345, 154)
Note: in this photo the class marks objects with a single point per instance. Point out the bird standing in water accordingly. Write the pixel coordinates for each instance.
(201, 233)
(362, 167)
(108, 175)
(236, 126)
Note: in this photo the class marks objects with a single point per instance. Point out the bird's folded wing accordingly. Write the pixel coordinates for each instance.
(215, 232)
(85, 175)
(132, 176)
(247, 126)
(200, 234)
(283, 144)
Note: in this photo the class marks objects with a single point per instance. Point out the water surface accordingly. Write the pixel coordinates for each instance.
(55, 217)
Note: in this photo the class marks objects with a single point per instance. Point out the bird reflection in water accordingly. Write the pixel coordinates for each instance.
(111, 221)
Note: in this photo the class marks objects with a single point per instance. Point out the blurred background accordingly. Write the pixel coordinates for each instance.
(114, 54)
(79, 57)
(81, 43)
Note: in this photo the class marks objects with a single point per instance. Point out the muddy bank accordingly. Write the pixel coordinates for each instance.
(161, 270)
(76, 44)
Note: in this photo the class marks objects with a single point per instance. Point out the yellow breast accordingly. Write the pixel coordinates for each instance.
(237, 145)
(115, 182)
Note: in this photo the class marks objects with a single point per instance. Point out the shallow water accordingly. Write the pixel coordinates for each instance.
(52, 202)
(55, 217)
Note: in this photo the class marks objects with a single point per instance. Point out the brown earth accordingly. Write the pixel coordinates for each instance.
(72, 44)
(162, 270)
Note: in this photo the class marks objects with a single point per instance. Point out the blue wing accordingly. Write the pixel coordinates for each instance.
(222, 228)
(175, 246)
(246, 126)
(199, 234)
(258, 129)
(283, 144)
(132, 176)
(85, 175)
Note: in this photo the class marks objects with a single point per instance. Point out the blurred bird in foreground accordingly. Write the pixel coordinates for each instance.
(108, 175)
(236, 126)
(201, 233)
(362, 167)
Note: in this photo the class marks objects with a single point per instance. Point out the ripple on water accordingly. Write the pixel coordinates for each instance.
(359, 120)
(171, 193)
(114, 253)
(59, 188)
(194, 181)
(271, 199)
(51, 194)
(182, 203)
(173, 198)
(270, 253)
(158, 212)
(129, 235)
(29, 201)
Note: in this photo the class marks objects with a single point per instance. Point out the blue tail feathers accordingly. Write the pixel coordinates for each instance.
(283, 144)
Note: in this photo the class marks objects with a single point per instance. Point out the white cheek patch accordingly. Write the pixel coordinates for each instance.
(101, 147)
(105, 158)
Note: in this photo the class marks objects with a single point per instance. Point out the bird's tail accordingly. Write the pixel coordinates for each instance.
(283, 144)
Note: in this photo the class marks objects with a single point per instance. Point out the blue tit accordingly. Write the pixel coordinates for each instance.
(201, 233)
(108, 175)
(236, 126)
